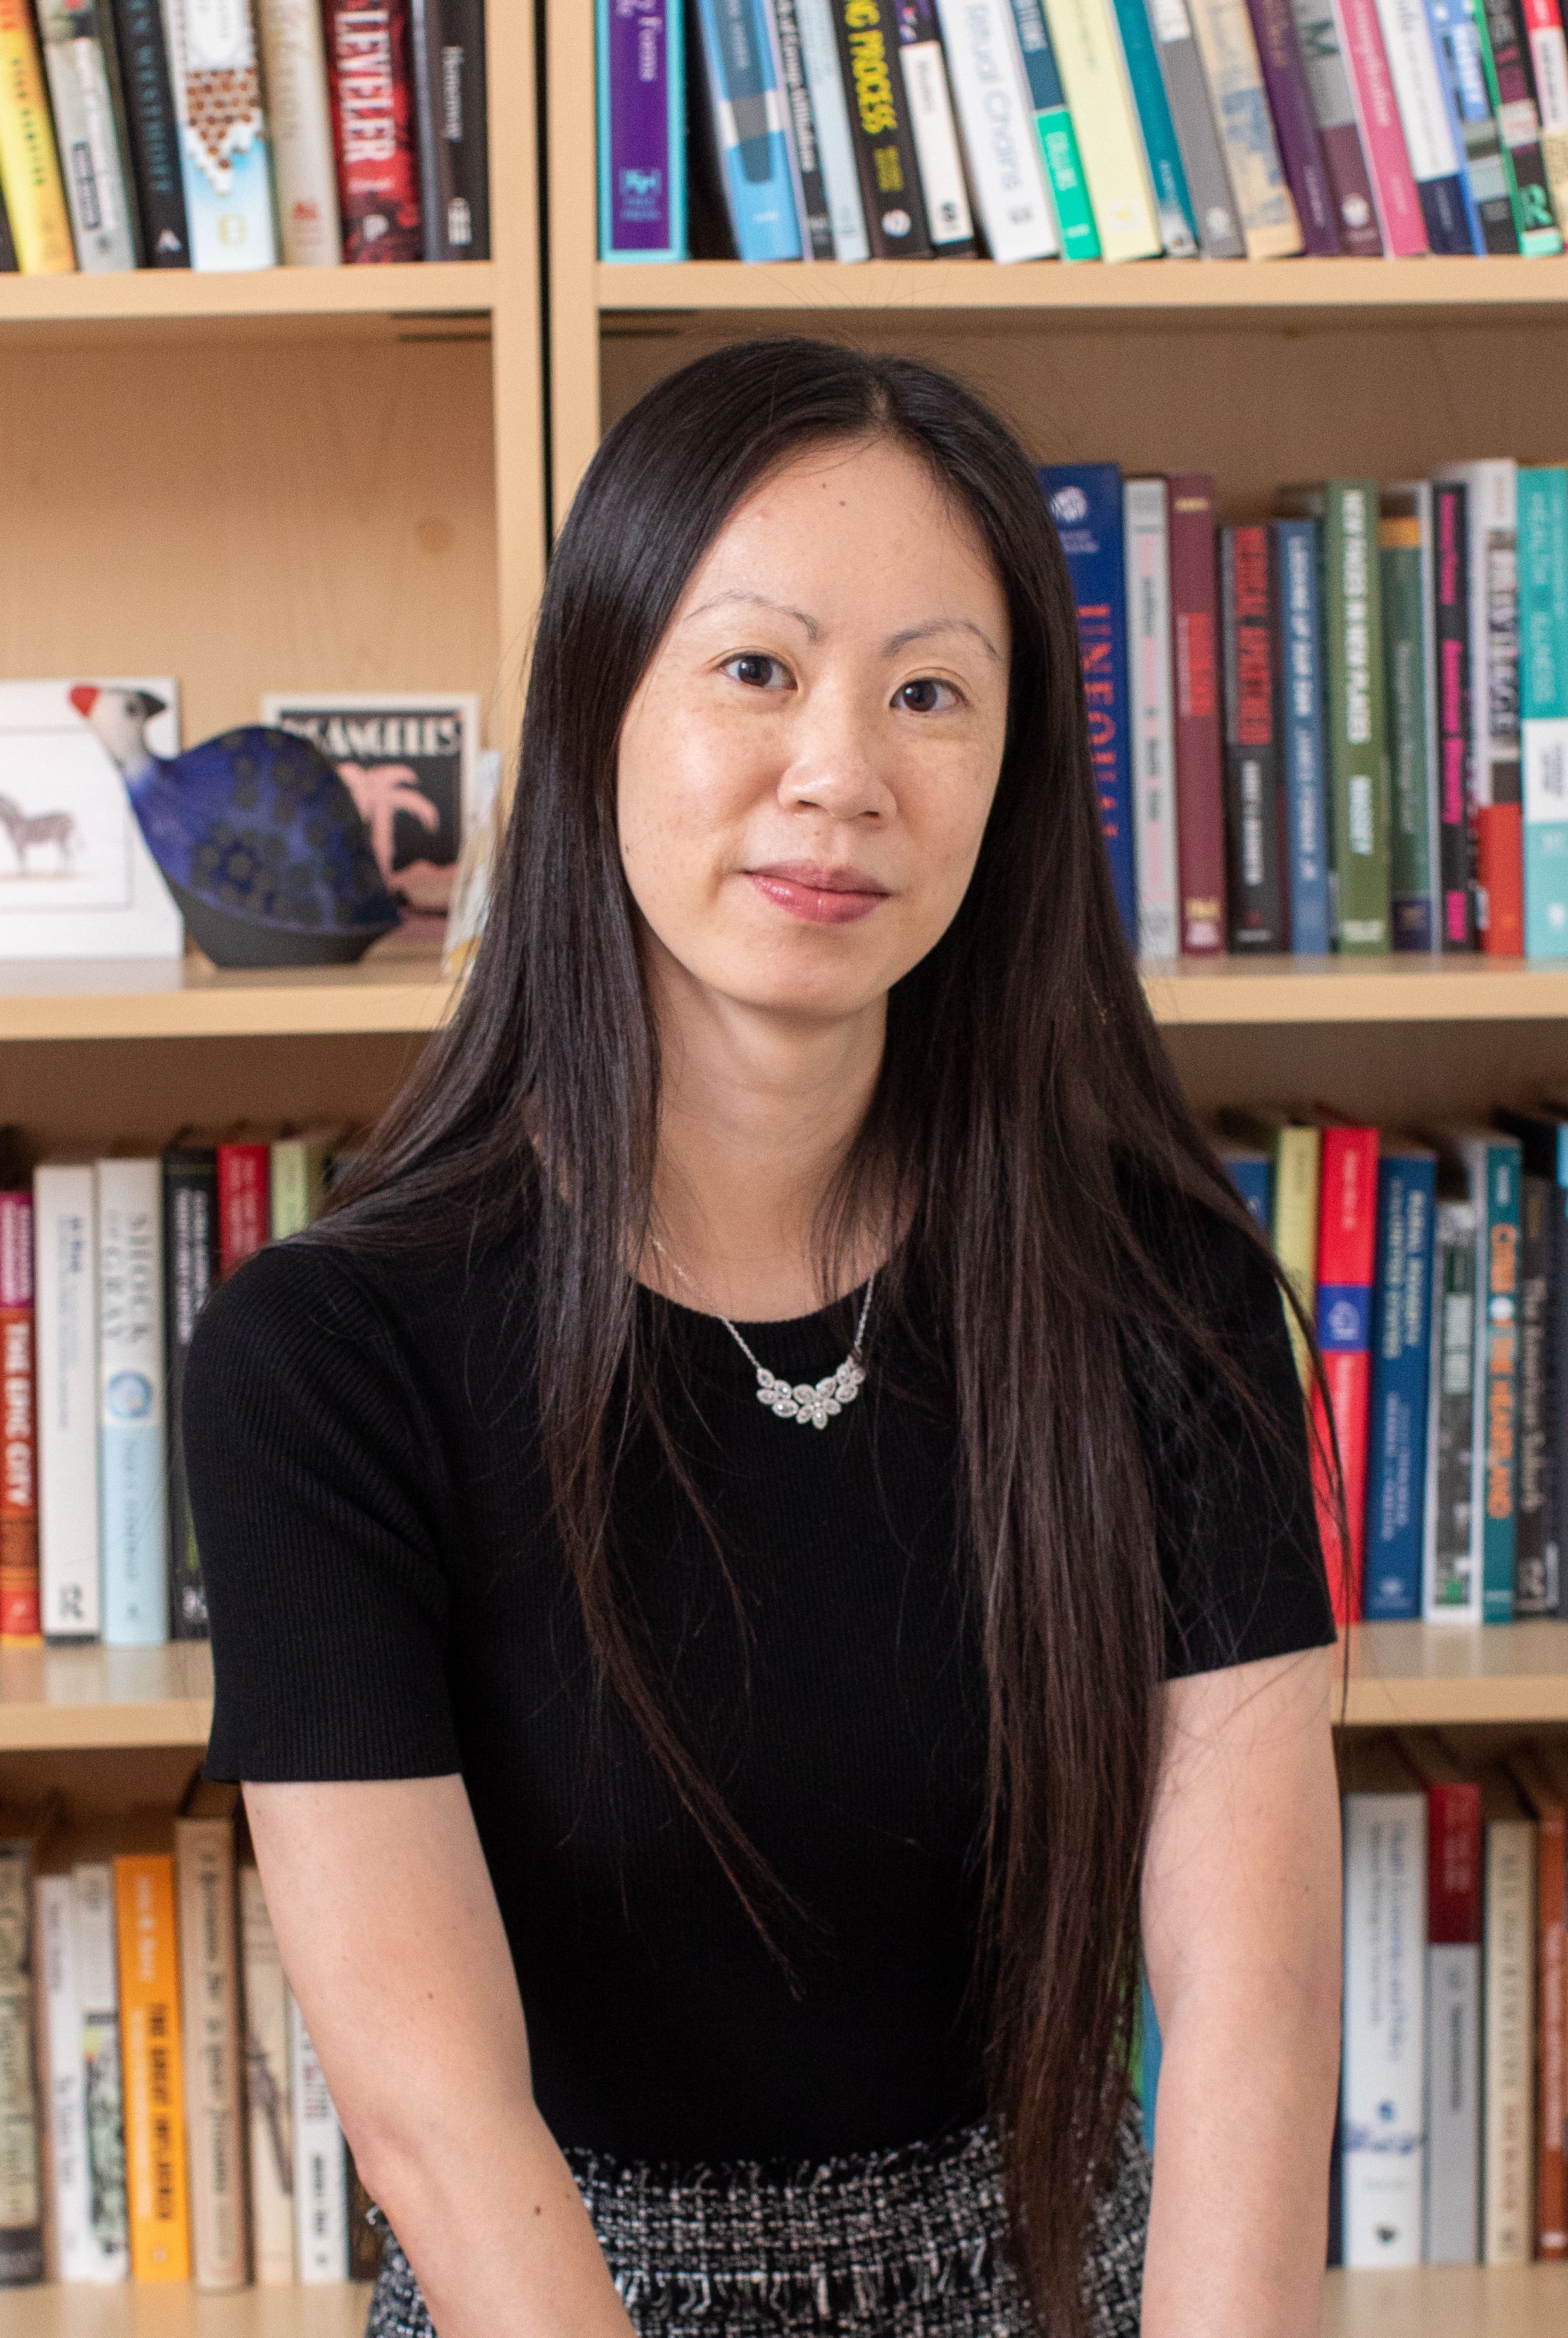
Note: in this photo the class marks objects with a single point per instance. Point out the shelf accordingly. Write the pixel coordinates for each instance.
(1394, 989)
(152, 295)
(187, 998)
(1444, 1675)
(1448, 2301)
(177, 2309)
(54, 1699)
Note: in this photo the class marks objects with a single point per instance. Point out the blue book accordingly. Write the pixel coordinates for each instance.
(641, 73)
(1294, 544)
(1542, 556)
(1252, 1175)
(1483, 184)
(1401, 1349)
(1085, 502)
(750, 128)
(1172, 204)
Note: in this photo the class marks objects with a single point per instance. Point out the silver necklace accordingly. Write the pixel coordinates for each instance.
(803, 1402)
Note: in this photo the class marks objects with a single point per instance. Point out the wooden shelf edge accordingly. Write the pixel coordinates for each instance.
(178, 2309)
(1446, 2302)
(188, 1000)
(146, 295)
(1392, 989)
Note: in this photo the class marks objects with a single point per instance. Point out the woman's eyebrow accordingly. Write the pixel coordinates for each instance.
(759, 601)
(901, 641)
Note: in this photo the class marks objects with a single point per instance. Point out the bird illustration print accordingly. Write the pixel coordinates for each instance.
(258, 838)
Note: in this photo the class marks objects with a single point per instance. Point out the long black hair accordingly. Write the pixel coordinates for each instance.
(1024, 1094)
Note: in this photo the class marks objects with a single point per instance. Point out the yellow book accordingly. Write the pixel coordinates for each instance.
(29, 166)
(1223, 30)
(154, 2082)
(1099, 97)
(1296, 1149)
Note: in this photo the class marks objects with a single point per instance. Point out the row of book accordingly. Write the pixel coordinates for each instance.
(164, 2112)
(105, 1266)
(1346, 728)
(1084, 129)
(240, 133)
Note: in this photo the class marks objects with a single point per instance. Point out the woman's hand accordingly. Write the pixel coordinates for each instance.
(1242, 1931)
(394, 1946)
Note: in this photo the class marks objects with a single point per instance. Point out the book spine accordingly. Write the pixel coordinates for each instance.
(1496, 1430)
(1505, 60)
(1430, 143)
(209, 1995)
(1298, 1174)
(1295, 123)
(1445, 62)
(371, 83)
(1357, 750)
(300, 115)
(1268, 215)
(1088, 52)
(225, 162)
(154, 133)
(98, 1998)
(268, 2091)
(1495, 779)
(21, 2162)
(1397, 1464)
(1202, 150)
(1549, 61)
(1086, 503)
(813, 218)
(1251, 751)
(61, 2076)
(1451, 593)
(866, 32)
(1451, 1578)
(935, 132)
(156, 2194)
(1536, 1587)
(30, 183)
(995, 112)
(1557, 1391)
(425, 45)
(834, 136)
(364, 2238)
(463, 126)
(1399, 214)
(751, 130)
(1508, 1996)
(1252, 1176)
(1457, 46)
(1413, 906)
(1552, 2096)
(1162, 152)
(66, 1288)
(320, 2178)
(1200, 748)
(87, 136)
(1542, 555)
(1333, 106)
(1057, 137)
(1453, 2024)
(190, 1260)
(7, 249)
(1147, 554)
(1347, 1252)
(1299, 661)
(1383, 2107)
(244, 1202)
(135, 1532)
(19, 1612)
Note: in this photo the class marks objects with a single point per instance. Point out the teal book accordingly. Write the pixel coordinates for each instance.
(1058, 139)
(1543, 542)
(1172, 204)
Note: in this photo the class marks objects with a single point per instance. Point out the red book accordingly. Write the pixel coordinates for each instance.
(244, 1199)
(1542, 1791)
(373, 128)
(1500, 877)
(18, 1426)
(1347, 1252)
(1199, 741)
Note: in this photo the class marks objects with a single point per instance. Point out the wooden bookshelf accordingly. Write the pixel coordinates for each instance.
(1447, 2301)
(153, 297)
(59, 1698)
(177, 2309)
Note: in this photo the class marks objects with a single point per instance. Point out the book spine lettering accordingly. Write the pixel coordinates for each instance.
(98, 1998)
(1295, 125)
(268, 2089)
(1172, 204)
(1497, 1170)
(1148, 566)
(244, 1202)
(320, 2178)
(1451, 1578)
(1508, 2176)
(371, 80)
(1551, 2172)
(226, 164)
(1452, 593)
(835, 137)
(1382, 2109)
(154, 2073)
(190, 1260)
(299, 115)
(87, 135)
(1430, 143)
(996, 112)
(204, 1874)
(30, 182)
(1549, 61)
(815, 221)
(1202, 150)
(1199, 749)
(1058, 138)
(1356, 738)
(1543, 554)
(1089, 57)
(154, 133)
(21, 2168)
(868, 34)
(1346, 1251)
(131, 1369)
(1412, 905)
(1496, 780)
(1536, 1588)
(1263, 201)
(19, 1612)
(1396, 1466)
(1251, 757)
(1300, 727)
(463, 126)
(1086, 503)
(60, 2058)
(934, 130)
(1382, 138)
(1453, 2024)
(1333, 106)
(65, 1285)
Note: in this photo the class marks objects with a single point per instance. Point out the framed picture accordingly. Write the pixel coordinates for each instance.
(407, 758)
(77, 878)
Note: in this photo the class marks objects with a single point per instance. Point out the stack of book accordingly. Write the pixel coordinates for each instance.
(1344, 727)
(154, 133)
(1084, 129)
(165, 2115)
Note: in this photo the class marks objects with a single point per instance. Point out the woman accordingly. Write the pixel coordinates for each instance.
(764, 1550)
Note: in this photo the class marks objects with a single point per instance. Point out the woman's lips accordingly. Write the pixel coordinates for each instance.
(819, 895)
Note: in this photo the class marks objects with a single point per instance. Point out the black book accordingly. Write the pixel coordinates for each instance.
(7, 249)
(1451, 591)
(1252, 762)
(879, 124)
(815, 222)
(448, 44)
(189, 1270)
(154, 133)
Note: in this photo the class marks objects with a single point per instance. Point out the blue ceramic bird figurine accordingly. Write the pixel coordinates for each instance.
(258, 840)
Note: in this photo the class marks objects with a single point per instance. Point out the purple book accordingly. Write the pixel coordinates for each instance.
(1295, 123)
(642, 129)
(1334, 110)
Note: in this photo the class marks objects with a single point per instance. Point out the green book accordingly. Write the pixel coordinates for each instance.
(1058, 139)
(1523, 165)
(1357, 754)
(1402, 573)
(298, 1177)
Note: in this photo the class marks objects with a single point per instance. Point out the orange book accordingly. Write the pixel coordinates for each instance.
(1542, 1789)
(157, 2194)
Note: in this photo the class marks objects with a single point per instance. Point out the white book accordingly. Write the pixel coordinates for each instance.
(133, 1513)
(835, 138)
(93, 161)
(98, 2000)
(225, 162)
(1384, 2084)
(936, 148)
(1492, 529)
(1508, 1982)
(300, 115)
(63, 2079)
(997, 118)
(269, 2092)
(1417, 76)
(1146, 528)
(321, 2164)
(65, 1296)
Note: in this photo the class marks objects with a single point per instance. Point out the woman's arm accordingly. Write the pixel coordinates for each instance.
(1242, 1934)
(394, 1946)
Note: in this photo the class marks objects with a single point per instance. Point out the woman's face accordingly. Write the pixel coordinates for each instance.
(806, 766)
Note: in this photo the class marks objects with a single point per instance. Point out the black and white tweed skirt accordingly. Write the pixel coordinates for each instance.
(902, 2243)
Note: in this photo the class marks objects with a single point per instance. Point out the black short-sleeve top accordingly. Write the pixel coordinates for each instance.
(388, 1599)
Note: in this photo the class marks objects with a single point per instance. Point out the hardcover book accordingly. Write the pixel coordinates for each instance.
(1086, 503)
(1197, 134)
(244, 1197)
(1543, 1153)
(995, 106)
(299, 116)
(1492, 568)
(1452, 2224)
(1451, 706)
(448, 52)
(1543, 516)
(1344, 158)
(1295, 1148)
(65, 1292)
(226, 164)
(1451, 1578)
(133, 1536)
(1383, 2090)
(370, 76)
(1263, 201)
(1346, 1255)
(1300, 720)
(1404, 560)
(1057, 137)
(1489, 1165)
(154, 133)
(1251, 749)
(866, 32)
(60, 2074)
(30, 184)
(1199, 737)
(190, 1173)
(320, 2173)
(19, 1615)
(1088, 50)
(83, 83)
(1251, 1171)
(1145, 505)
(1401, 1376)
(835, 137)
(935, 132)
(155, 2080)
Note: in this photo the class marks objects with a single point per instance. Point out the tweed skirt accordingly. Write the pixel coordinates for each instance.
(903, 2244)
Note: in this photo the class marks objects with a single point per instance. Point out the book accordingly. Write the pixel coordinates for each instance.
(1382, 2108)
(934, 130)
(1537, 1584)
(810, 189)
(297, 1175)
(133, 1538)
(995, 109)
(7, 249)
(30, 182)
(190, 1173)
(1197, 134)
(1404, 563)
(320, 2175)
(244, 1197)
(98, 1998)
(65, 1292)
(1452, 2223)
(448, 56)
(834, 136)
(1057, 137)
(1508, 2036)
(1251, 1171)
(1085, 501)
(1451, 1568)
(68, 2220)
(1295, 1146)
(885, 158)
(1457, 46)
(1431, 140)
(21, 2169)
(269, 2126)
(1488, 1163)
(1401, 1380)
(1264, 207)
(299, 117)
(1399, 215)
(1162, 153)
(1274, 28)
(1548, 48)
(1298, 720)
(1251, 749)
(1334, 107)
(1543, 1137)
(1089, 54)
(1542, 556)
(225, 162)
(20, 1623)
(371, 80)
(78, 38)
(1199, 734)
(642, 113)
(1450, 697)
(1505, 61)
(1495, 779)
(152, 132)
(1347, 1256)
(1539, 1787)
(209, 2012)
(1147, 562)
(154, 2058)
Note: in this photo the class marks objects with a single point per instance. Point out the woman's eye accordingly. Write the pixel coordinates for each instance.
(925, 697)
(757, 671)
